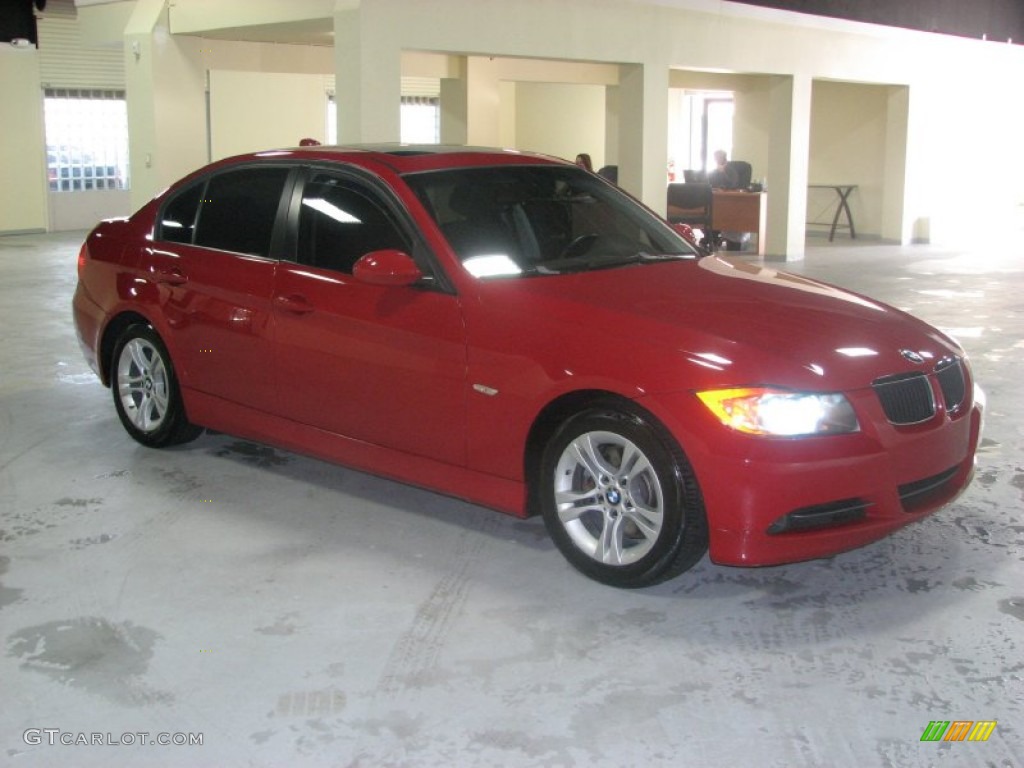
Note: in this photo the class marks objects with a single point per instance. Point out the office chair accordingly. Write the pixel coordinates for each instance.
(743, 171)
(691, 204)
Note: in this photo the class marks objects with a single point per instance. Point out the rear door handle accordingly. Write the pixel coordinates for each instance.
(294, 303)
(170, 276)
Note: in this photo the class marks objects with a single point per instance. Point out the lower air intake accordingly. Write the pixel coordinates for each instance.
(821, 516)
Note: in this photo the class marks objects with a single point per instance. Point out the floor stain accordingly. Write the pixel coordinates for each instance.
(252, 453)
(283, 626)
(93, 654)
(68, 502)
(89, 541)
(181, 482)
(1013, 606)
(329, 701)
(918, 585)
(7, 595)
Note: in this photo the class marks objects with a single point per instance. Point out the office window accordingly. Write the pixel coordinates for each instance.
(700, 122)
(86, 139)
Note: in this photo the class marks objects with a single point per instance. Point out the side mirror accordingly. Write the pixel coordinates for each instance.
(388, 268)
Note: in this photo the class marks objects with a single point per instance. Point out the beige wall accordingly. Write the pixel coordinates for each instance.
(290, 107)
(848, 146)
(561, 120)
(22, 147)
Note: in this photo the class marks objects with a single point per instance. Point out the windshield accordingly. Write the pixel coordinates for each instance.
(508, 221)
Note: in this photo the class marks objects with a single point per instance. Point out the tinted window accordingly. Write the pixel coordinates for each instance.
(239, 209)
(179, 217)
(340, 221)
(535, 219)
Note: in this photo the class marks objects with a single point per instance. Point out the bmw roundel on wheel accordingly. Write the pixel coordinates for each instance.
(513, 330)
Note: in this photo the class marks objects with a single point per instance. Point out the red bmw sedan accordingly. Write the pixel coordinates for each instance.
(516, 331)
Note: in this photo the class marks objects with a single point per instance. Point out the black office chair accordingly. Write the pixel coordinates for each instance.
(691, 204)
(744, 172)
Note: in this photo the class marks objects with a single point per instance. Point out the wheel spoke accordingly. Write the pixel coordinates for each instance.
(131, 383)
(138, 354)
(586, 453)
(158, 373)
(572, 504)
(609, 547)
(140, 412)
(647, 520)
(634, 463)
(159, 399)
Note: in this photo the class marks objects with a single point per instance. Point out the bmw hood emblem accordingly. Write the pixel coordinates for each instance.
(911, 356)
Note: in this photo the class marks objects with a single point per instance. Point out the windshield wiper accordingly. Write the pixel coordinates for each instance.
(579, 264)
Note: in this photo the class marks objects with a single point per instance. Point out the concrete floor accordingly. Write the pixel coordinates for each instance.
(297, 613)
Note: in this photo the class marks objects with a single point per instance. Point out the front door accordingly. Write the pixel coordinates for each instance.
(386, 365)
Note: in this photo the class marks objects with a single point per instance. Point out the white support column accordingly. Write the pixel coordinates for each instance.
(368, 76)
(643, 132)
(455, 107)
(141, 96)
(611, 125)
(896, 225)
(483, 95)
(23, 198)
(789, 141)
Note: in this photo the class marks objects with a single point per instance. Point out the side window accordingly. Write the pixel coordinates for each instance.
(239, 210)
(178, 222)
(340, 221)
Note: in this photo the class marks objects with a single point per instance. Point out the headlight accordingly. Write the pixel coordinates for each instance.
(759, 411)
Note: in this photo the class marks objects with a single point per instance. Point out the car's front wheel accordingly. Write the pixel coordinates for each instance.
(146, 393)
(620, 500)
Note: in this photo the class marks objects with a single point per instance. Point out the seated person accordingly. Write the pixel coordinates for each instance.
(723, 177)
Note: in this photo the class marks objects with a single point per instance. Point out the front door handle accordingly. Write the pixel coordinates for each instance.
(294, 303)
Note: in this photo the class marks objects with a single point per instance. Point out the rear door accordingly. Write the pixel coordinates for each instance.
(386, 365)
(213, 259)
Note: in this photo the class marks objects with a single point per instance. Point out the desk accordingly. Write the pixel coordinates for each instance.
(736, 211)
(843, 190)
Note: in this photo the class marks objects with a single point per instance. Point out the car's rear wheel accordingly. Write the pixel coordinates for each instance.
(146, 393)
(620, 500)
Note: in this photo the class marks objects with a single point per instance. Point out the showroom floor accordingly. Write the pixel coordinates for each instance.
(293, 613)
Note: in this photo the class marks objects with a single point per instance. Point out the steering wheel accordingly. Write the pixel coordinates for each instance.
(579, 245)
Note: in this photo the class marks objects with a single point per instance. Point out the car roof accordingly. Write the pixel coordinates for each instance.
(408, 158)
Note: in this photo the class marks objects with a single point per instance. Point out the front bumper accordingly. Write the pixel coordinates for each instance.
(780, 500)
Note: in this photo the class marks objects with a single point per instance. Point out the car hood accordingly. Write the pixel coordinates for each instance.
(725, 323)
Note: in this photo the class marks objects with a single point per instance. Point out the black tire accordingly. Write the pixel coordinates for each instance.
(146, 393)
(641, 520)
